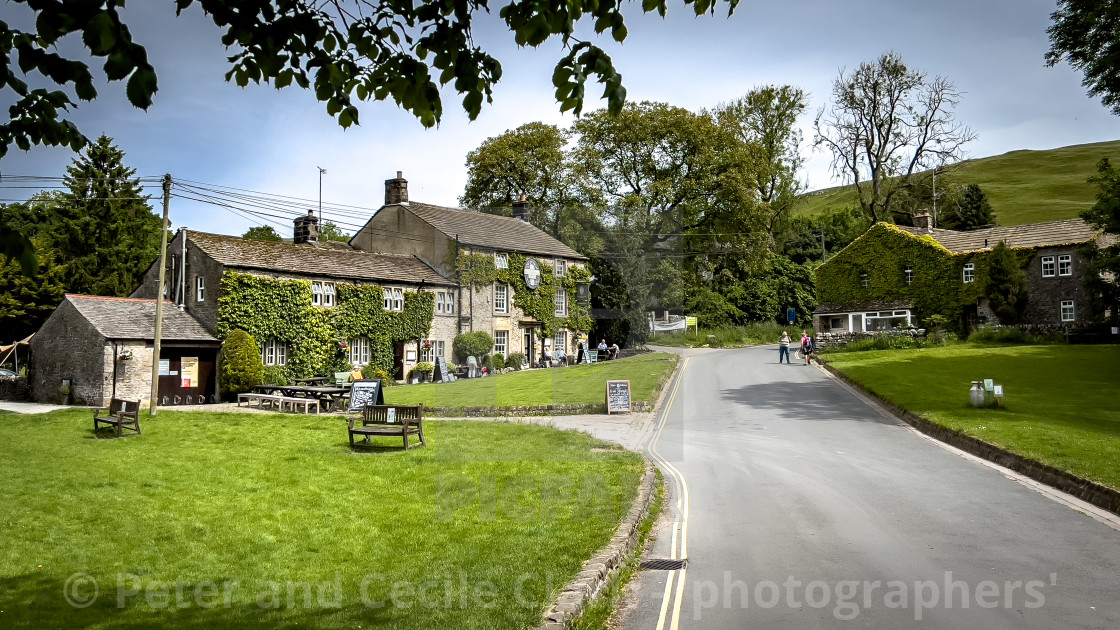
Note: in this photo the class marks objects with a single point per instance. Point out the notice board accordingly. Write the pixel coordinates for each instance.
(618, 397)
(366, 392)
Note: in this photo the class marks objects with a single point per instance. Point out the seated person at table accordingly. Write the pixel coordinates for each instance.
(561, 356)
(603, 348)
(613, 352)
(356, 374)
(546, 361)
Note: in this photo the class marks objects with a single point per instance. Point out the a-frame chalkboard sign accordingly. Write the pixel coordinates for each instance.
(441, 374)
(366, 392)
(618, 397)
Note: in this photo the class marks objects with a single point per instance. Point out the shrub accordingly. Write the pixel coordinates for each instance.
(371, 371)
(473, 344)
(275, 375)
(498, 361)
(514, 360)
(425, 367)
(241, 368)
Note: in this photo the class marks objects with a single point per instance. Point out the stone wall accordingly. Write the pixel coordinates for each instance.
(131, 379)
(1047, 294)
(835, 340)
(68, 347)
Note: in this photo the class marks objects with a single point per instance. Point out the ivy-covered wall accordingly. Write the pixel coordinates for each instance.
(479, 270)
(281, 309)
(884, 251)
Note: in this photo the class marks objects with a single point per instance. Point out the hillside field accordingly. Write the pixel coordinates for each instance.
(1022, 186)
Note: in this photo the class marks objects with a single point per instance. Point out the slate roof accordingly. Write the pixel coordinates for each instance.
(492, 231)
(132, 318)
(826, 308)
(311, 260)
(1052, 233)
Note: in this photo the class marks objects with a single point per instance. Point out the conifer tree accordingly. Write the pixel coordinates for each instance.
(106, 234)
(1007, 285)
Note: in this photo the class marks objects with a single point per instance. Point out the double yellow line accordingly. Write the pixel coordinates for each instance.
(678, 547)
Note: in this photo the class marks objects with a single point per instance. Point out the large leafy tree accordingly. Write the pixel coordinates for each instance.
(1104, 253)
(765, 123)
(262, 233)
(1086, 33)
(886, 123)
(105, 234)
(27, 300)
(532, 161)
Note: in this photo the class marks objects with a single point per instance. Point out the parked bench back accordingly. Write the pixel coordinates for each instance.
(342, 379)
(392, 414)
(127, 408)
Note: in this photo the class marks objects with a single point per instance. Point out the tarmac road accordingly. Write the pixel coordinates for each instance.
(802, 506)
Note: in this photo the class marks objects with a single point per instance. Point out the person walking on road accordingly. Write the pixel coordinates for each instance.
(806, 346)
(783, 348)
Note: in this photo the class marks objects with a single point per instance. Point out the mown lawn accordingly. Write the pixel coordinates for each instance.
(573, 385)
(214, 520)
(1061, 401)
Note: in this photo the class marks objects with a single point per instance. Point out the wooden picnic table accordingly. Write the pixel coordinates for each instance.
(312, 380)
(327, 395)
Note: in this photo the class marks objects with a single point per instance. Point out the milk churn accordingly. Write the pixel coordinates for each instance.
(976, 394)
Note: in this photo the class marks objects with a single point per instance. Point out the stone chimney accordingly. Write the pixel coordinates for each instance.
(307, 229)
(396, 190)
(521, 208)
(923, 220)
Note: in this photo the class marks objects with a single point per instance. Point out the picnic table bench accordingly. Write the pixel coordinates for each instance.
(276, 401)
(123, 414)
(389, 420)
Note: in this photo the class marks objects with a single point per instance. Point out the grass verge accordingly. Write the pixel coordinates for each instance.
(727, 336)
(1060, 400)
(601, 612)
(214, 520)
(574, 385)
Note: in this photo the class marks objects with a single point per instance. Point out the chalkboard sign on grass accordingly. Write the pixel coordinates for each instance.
(441, 373)
(366, 392)
(618, 397)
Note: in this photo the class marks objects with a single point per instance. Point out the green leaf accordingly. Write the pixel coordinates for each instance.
(141, 87)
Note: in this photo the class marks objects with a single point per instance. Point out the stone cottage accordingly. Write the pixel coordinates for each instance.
(895, 277)
(312, 305)
(524, 287)
(101, 347)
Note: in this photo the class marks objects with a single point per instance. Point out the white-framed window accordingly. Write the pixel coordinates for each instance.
(501, 260)
(359, 351)
(322, 294)
(431, 349)
(864, 279)
(560, 341)
(445, 303)
(969, 273)
(1065, 265)
(561, 302)
(1067, 311)
(501, 297)
(908, 275)
(394, 299)
(274, 352)
(501, 342)
(200, 288)
(886, 320)
(1047, 266)
(560, 268)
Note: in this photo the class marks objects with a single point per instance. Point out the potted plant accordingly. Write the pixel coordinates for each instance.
(64, 394)
(125, 355)
(424, 369)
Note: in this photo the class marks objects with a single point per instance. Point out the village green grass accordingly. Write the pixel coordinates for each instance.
(753, 334)
(226, 520)
(1060, 400)
(583, 384)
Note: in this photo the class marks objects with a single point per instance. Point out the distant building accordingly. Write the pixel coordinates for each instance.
(896, 277)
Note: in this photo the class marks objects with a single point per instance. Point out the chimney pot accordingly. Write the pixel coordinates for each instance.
(924, 221)
(306, 229)
(521, 208)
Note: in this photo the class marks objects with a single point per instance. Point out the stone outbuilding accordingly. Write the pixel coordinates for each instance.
(101, 347)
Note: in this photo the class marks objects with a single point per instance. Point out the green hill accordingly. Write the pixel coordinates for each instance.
(1022, 186)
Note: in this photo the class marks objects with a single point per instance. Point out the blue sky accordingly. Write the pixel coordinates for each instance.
(203, 129)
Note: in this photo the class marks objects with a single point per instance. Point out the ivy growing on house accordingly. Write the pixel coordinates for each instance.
(279, 309)
(882, 255)
(479, 270)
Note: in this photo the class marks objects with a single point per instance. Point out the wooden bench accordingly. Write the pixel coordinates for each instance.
(123, 414)
(391, 420)
(278, 402)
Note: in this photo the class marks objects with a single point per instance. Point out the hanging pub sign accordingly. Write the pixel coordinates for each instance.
(532, 274)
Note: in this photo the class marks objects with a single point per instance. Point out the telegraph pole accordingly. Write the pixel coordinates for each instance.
(159, 292)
